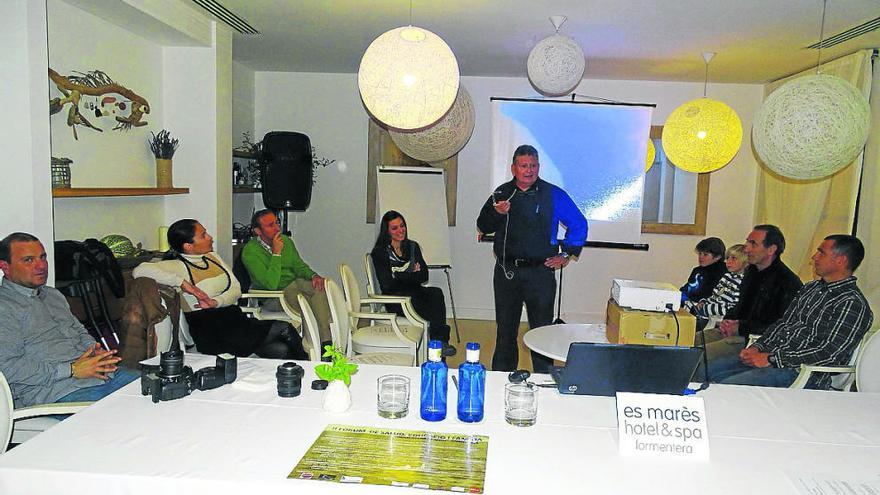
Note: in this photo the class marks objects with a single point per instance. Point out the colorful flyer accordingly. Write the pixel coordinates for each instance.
(379, 456)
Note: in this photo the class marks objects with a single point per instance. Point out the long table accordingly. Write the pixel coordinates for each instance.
(243, 438)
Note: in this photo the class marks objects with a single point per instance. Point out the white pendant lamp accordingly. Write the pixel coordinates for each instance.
(812, 126)
(702, 135)
(443, 139)
(408, 78)
(556, 65)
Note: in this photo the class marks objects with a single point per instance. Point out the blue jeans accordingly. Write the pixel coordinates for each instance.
(121, 377)
(730, 370)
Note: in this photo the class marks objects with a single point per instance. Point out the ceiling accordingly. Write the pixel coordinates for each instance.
(756, 40)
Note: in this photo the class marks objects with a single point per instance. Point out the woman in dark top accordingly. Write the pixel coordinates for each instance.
(402, 270)
(704, 278)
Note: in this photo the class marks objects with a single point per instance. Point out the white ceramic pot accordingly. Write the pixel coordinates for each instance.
(337, 397)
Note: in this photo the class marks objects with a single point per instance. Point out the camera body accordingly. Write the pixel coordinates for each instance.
(172, 380)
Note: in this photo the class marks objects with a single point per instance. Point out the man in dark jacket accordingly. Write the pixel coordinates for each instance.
(524, 214)
(767, 289)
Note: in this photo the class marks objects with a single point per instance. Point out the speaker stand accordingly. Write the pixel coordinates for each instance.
(283, 215)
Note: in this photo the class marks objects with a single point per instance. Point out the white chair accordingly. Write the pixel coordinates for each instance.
(311, 340)
(374, 291)
(341, 331)
(380, 337)
(19, 425)
(868, 364)
(258, 311)
(844, 375)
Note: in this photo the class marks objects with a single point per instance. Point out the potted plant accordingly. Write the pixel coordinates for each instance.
(337, 397)
(163, 147)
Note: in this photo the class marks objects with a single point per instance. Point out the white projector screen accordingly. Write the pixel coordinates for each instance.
(594, 151)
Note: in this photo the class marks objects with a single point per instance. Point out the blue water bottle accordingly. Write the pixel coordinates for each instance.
(434, 372)
(471, 386)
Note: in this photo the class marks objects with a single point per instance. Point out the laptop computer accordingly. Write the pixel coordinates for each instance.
(605, 369)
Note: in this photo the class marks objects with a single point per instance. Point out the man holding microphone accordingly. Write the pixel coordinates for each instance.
(524, 214)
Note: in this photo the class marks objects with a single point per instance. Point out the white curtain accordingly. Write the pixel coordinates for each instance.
(868, 227)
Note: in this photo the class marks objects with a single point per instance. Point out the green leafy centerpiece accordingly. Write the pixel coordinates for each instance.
(337, 397)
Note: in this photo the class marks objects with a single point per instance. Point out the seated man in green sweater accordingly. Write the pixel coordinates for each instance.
(274, 263)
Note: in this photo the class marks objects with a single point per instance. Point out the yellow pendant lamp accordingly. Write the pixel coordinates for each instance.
(652, 153)
(702, 135)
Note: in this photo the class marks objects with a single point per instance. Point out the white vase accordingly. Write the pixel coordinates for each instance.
(337, 397)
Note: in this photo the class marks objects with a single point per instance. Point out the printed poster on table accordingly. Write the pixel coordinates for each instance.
(380, 456)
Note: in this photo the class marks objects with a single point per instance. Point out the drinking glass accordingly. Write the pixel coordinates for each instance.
(393, 396)
(521, 403)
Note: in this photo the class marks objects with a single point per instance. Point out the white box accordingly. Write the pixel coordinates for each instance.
(647, 296)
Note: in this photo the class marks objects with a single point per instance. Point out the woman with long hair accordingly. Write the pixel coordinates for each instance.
(402, 270)
(210, 297)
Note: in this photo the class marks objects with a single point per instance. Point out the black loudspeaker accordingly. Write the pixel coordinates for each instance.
(286, 167)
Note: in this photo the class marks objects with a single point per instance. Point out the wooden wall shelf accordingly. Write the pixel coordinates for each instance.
(244, 154)
(245, 189)
(92, 192)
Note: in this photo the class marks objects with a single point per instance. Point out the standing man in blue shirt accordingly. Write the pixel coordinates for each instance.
(524, 214)
(45, 352)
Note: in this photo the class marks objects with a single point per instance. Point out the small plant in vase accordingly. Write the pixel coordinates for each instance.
(163, 147)
(337, 397)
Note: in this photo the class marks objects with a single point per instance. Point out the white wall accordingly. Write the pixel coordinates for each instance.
(243, 121)
(197, 92)
(242, 102)
(26, 198)
(327, 107)
(112, 158)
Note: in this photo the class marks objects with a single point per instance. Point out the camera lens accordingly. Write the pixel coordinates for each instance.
(170, 363)
(289, 377)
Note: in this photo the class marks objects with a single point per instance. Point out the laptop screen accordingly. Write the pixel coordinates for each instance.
(605, 369)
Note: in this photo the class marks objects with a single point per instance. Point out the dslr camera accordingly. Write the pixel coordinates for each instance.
(171, 379)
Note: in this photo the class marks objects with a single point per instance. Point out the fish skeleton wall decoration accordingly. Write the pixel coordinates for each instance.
(101, 95)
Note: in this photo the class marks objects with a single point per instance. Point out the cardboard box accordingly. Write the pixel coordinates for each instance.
(633, 326)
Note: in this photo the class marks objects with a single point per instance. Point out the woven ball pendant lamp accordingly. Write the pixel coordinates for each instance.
(408, 78)
(556, 64)
(811, 127)
(443, 139)
(652, 153)
(702, 135)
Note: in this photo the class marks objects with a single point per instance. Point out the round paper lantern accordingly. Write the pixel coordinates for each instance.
(443, 139)
(652, 153)
(811, 127)
(408, 78)
(701, 135)
(556, 65)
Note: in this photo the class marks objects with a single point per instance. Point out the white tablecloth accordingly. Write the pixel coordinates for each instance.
(239, 440)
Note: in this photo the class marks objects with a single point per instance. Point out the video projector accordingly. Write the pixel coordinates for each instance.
(646, 296)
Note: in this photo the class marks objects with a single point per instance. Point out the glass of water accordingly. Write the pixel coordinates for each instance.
(393, 396)
(521, 403)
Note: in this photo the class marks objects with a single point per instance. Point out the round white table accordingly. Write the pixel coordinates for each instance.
(553, 340)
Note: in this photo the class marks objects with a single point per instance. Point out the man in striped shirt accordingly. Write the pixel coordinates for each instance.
(822, 326)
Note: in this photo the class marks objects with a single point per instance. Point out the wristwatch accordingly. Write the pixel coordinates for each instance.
(772, 360)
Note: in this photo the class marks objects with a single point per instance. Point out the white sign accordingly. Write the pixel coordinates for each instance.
(665, 426)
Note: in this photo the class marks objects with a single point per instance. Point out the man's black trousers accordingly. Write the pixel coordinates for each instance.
(536, 287)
